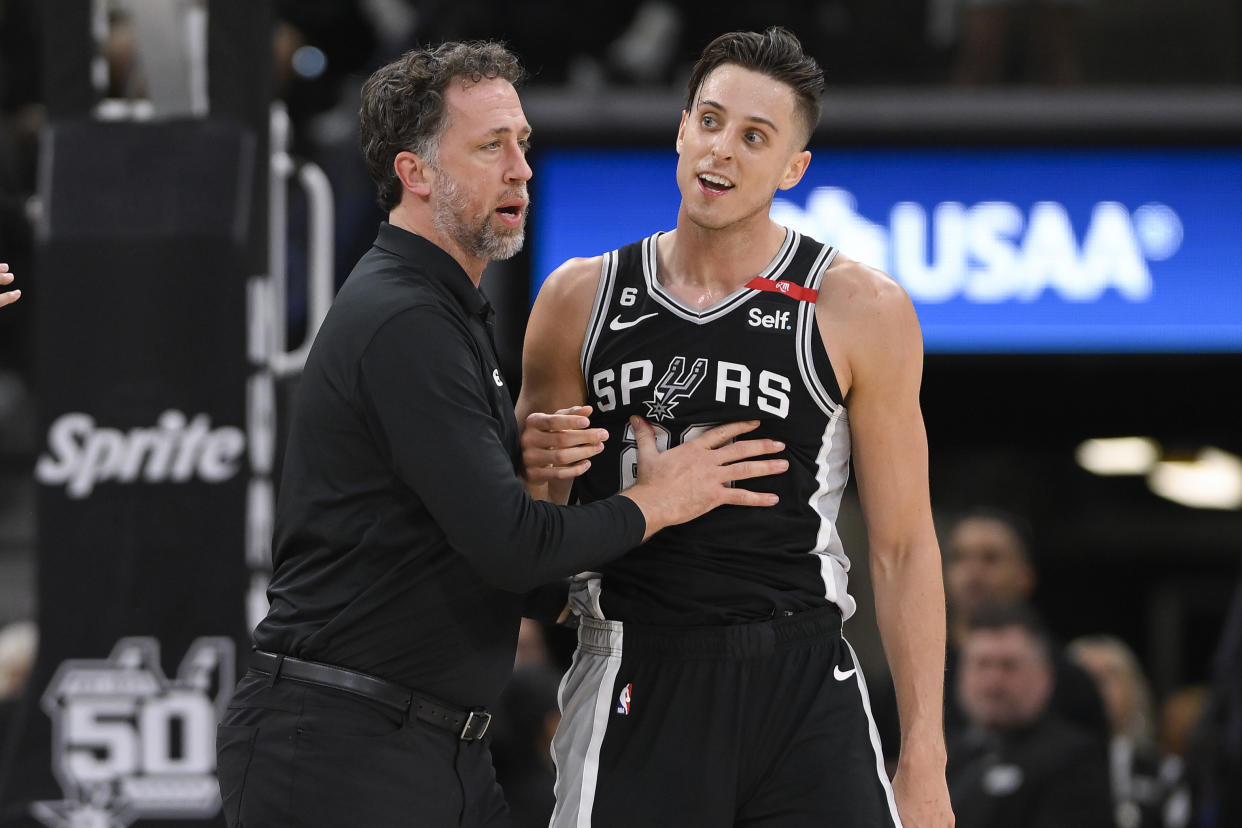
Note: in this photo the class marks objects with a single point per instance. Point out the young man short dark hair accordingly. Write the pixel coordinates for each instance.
(712, 685)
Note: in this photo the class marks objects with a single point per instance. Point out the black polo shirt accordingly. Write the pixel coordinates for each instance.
(404, 537)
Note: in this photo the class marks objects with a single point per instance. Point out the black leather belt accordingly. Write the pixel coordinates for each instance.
(469, 725)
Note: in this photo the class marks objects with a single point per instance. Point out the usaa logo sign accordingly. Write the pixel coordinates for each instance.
(994, 251)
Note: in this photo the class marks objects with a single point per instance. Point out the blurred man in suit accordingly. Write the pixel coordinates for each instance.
(1017, 763)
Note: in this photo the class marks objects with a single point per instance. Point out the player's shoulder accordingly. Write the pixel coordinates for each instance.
(575, 280)
(851, 287)
(559, 318)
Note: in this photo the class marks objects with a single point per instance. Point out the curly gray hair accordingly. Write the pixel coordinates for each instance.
(403, 104)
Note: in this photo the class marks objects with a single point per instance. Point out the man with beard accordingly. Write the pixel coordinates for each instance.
(404, 536)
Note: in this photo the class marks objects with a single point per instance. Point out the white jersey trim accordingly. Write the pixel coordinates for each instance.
(599, 312)
(831, 473)
(739, 297)
(806, 336)
(875, 738)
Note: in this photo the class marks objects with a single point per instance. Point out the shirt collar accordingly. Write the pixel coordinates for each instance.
(437, 264)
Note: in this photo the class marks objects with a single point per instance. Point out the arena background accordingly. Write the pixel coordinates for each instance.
(139, 197)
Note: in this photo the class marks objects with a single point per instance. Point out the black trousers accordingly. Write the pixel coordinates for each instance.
(293, 754)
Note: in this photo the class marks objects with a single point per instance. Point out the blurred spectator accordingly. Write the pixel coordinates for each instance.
(1215, 758)
(1147, 786)
(318, 45)
(987, 562)
(1017, 763)
(1180, 713)
(18, 643)
(119, 50)
(1036, 41)
(523, 721)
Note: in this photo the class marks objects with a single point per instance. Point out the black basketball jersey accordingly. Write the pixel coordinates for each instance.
(756, 354)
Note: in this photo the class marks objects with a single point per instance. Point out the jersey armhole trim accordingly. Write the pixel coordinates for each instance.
(603, 296)
(826, 396)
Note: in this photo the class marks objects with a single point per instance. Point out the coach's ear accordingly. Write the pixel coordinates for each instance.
(413, 173)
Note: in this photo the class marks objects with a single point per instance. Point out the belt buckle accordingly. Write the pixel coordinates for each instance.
(477, 721)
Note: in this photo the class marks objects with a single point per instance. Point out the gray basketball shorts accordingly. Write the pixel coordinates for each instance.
(761, 724)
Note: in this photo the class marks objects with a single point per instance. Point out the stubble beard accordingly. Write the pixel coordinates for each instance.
(478, 238)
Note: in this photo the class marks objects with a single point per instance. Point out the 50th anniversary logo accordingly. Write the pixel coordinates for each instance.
(128, 743)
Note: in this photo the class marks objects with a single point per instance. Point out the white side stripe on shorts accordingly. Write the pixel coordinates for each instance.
(586, 704)
(875, 737)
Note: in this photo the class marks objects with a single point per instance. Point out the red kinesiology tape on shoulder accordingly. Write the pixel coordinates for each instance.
(804, 294)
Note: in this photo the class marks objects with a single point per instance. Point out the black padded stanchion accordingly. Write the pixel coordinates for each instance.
(143, 473)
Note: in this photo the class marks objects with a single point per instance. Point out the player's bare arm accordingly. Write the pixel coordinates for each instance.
(557, 447)
(869, 326)
(8, 297)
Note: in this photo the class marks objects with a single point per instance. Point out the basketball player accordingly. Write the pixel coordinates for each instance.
(403, 539)
(8, 297)
(712, 686)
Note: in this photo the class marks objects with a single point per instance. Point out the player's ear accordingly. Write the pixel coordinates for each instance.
(681, 130)
(414, 173)
(794, 170)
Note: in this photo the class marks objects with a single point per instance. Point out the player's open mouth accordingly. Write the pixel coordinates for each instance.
(713, 183)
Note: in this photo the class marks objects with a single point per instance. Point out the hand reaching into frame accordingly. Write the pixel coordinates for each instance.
(8, 297)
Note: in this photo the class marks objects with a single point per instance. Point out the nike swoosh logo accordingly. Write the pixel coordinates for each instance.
(840, 676)
(617, 325)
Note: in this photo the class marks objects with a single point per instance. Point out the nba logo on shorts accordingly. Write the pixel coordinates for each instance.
(623, 700)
